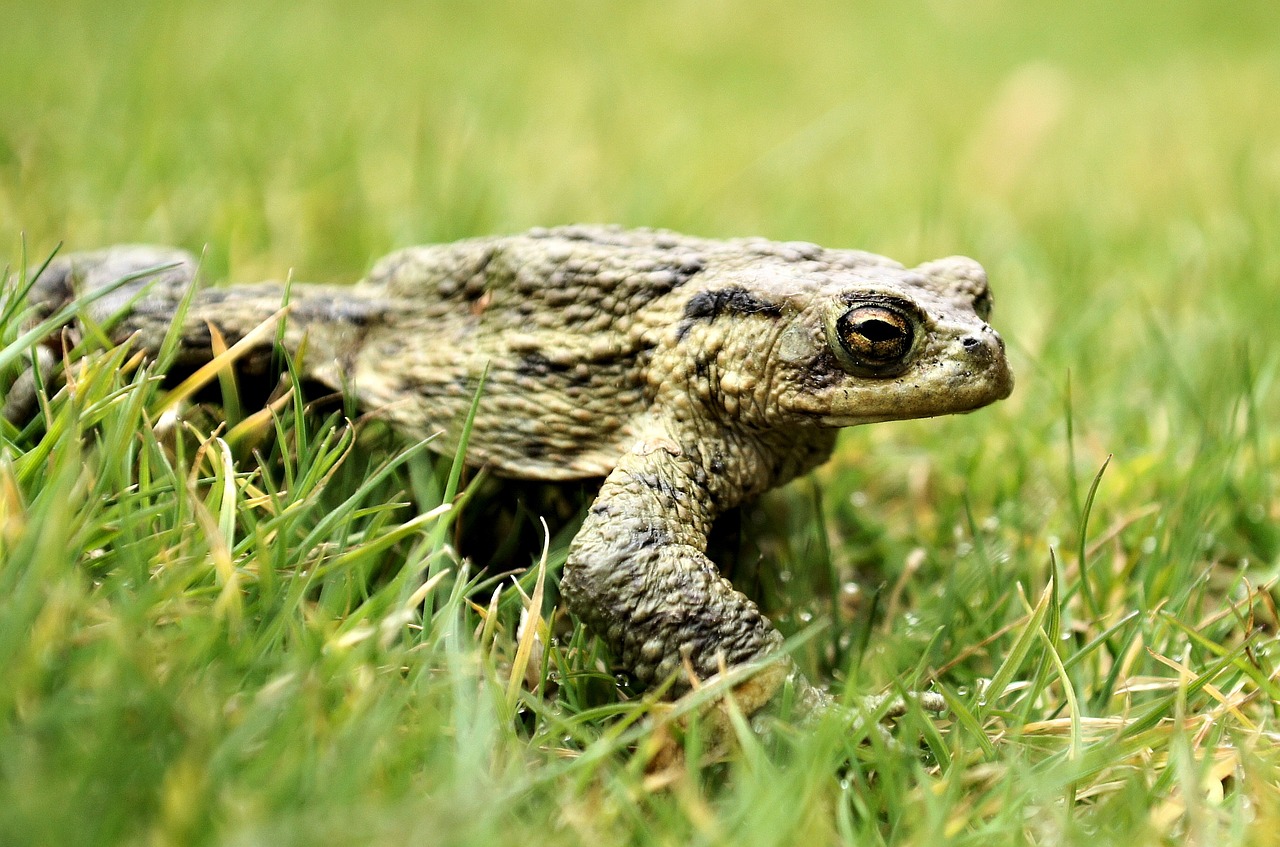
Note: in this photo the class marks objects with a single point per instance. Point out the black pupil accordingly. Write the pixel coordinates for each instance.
(878, 331)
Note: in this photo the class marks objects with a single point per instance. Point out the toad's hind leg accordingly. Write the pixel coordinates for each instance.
(149, 284)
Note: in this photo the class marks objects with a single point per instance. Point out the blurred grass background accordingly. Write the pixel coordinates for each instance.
(1100, 158)
(1116, 166)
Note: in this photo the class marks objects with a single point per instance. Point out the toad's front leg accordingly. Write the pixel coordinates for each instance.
(639, 577)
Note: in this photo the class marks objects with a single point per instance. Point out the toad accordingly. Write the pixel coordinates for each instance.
(689, 374)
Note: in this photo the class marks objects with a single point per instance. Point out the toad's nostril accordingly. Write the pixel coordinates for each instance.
(970, 343)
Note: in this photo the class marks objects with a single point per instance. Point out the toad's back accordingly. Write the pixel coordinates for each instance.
(578, 329)
(564, 320)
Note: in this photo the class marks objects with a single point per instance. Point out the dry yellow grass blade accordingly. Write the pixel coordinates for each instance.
(531, 626)
(210, 370)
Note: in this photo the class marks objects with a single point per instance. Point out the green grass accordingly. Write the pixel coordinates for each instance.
(212, 635)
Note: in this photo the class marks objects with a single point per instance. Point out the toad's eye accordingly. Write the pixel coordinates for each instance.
(982, 305)
(875, 339)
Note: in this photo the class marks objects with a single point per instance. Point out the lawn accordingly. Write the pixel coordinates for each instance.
(229, 628)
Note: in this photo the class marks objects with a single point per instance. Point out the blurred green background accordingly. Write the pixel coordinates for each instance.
(320, 135)
(1097, 148)
(1116, 166)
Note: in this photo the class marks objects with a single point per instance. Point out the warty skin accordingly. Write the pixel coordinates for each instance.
(691, 374)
